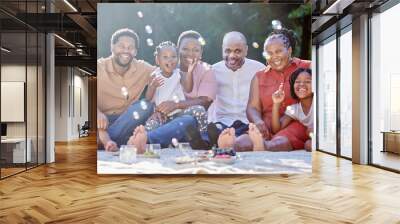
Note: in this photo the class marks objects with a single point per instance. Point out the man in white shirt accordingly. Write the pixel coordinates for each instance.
(233, 75)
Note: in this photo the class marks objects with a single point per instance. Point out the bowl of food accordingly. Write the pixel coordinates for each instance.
(150, 155)
(227, 156)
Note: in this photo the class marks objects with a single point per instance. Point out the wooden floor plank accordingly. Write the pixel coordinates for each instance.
(70, 191)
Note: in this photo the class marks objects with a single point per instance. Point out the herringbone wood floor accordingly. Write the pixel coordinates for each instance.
(70, 191)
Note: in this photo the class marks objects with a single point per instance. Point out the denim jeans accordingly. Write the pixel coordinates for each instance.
(240, 129)
(121, 126)
(173, 129)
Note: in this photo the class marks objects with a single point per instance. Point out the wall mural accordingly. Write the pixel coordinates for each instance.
(204, 88)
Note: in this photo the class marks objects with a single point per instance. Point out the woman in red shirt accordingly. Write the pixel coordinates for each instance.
(278, 52)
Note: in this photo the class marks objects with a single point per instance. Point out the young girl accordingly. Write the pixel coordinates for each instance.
(300, 89)
(167, 85)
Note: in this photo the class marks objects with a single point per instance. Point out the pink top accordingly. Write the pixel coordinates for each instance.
(204, 83)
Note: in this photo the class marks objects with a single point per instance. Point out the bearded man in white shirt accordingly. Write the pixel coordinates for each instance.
(233, 75)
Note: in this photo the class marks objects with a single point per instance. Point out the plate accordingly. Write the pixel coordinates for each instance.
(184, 159)
(227, 160)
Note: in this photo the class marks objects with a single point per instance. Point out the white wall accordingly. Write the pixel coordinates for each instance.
(61, 103)
(314, 87)
(33, 127)
(16, 73)
(69, 85)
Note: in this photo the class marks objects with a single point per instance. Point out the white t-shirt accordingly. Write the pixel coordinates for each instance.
(233, 88)
(171, 90)
(296, 112)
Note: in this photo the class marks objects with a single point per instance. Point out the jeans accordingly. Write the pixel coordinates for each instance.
(173, 129)
(198, 112)
(240, 129)
(121, 126)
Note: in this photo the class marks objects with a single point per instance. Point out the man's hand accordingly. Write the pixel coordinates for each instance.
(263, 129)
(279, 95)
(102, 121)
(167, 107)
(111, 146)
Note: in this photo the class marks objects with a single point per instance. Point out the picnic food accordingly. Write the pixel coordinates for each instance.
(219, 151)
(184, 159)
(223, 155)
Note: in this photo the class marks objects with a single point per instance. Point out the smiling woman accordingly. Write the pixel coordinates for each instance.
(272, 81)
(204, 78)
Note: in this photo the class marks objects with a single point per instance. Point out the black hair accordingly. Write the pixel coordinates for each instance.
(293, 78)
(125, 33)
(189, 34)
(288, 37)
(162, 45)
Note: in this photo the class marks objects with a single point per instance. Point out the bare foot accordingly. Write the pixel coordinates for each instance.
(109, 145)
(139, 139)
(227, 138)
(256, 138)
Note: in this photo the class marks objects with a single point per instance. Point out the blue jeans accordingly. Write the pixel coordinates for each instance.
(121, 126)
(240, 129)
(173, 129)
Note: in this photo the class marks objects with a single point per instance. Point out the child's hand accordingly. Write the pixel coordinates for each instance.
(279, 95)
(156, 81)
(192, 65)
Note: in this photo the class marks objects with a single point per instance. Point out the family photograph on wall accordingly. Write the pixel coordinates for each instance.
(195, 88)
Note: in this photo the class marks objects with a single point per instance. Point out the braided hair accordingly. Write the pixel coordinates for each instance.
(287, 36)
(162, 45)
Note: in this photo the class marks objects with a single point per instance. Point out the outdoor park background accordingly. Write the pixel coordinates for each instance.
(211, 20)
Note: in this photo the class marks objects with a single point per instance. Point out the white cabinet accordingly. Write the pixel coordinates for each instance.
(18, 149)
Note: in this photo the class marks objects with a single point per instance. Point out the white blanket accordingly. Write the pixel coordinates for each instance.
(247, 163)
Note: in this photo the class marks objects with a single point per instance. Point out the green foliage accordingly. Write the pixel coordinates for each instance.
(301, 12)
(212, 20)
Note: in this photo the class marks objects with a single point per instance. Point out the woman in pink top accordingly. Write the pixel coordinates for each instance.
(190, 50)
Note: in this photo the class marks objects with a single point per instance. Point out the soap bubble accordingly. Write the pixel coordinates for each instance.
(149, 42)
(202, 41)
(124, 92)
(219, 126)
(255, 45)
(143, 104)
(276, 24)
(136, 115)
(175, 98)
(140, 14)
(148, 29)
(266, 55)
(175, 142)
(290, 109)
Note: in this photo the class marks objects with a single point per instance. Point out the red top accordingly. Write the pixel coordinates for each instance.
(269, 81)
